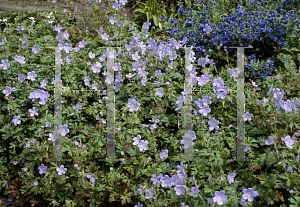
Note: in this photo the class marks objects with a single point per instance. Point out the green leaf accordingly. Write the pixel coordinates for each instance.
(155, 21)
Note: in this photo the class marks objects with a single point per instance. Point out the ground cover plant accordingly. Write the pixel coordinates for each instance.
(149, 110)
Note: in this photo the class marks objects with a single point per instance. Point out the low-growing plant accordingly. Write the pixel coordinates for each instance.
(149, 117)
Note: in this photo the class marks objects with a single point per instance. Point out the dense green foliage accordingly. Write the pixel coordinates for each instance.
(117, 182)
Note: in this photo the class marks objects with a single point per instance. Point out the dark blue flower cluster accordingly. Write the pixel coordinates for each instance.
(256, 66)
(268, 24)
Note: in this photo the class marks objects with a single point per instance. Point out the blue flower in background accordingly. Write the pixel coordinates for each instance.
(288, 141)
(230, 177)
(249, 194)
(138, 205)
(270, 140)
(180, 167)
(79, 105)
(202, 80)
(176, 180)
(158, 73)
(52, 137)
(140, 190)
(113, 20)
(149, 193)
(164, 154)
(61, 170)
(159, 92)
(43, 169)
(31, 75)
(35, 49)
(192, 179)
(207, 29)
(93, 179)
(155, 179)
(182, 205)
(218, 83)
(21, 78)
(203, 61)
(8, 90)
(16, 120)
(63, 129)
(180, 189)
(91, 55)
(5, 64)
(105, 36)
(213, 124)
(187, 141)
(247, 116)
(33, 111)
(195, 191)
(204, 110)
(289, 169)
(27, 145)
(19, 59)
(166, 181)
(234, 72)
(247, 148)
(243, 201)
(65, 35)
(288, 105)
(136, 139)
(143, 145)
(219, 197)
(135, 56)
(133, 104)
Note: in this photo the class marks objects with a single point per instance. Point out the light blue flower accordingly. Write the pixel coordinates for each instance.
(133, 104)
(149, 193)
(16, 120)
(113, 20)
(35, 49)
(138, 205)
(213, 124)
(31, 75)
(63, 129)
(195, 191)
(230, 177)
(33, 111)
(180, 189)
(43, 169)
(136, 140)
(220, 197)
(5, 64)
(176, 180)
(105, 36)
(159, 92)
(164, 154)
(166, 181)
(143, 145)
(182, 205)
(218, 83)
(288, 141)
(61, 170)
(204, 110)
(270, 140)
(247, 116)
(234, 72)
(249, 194)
